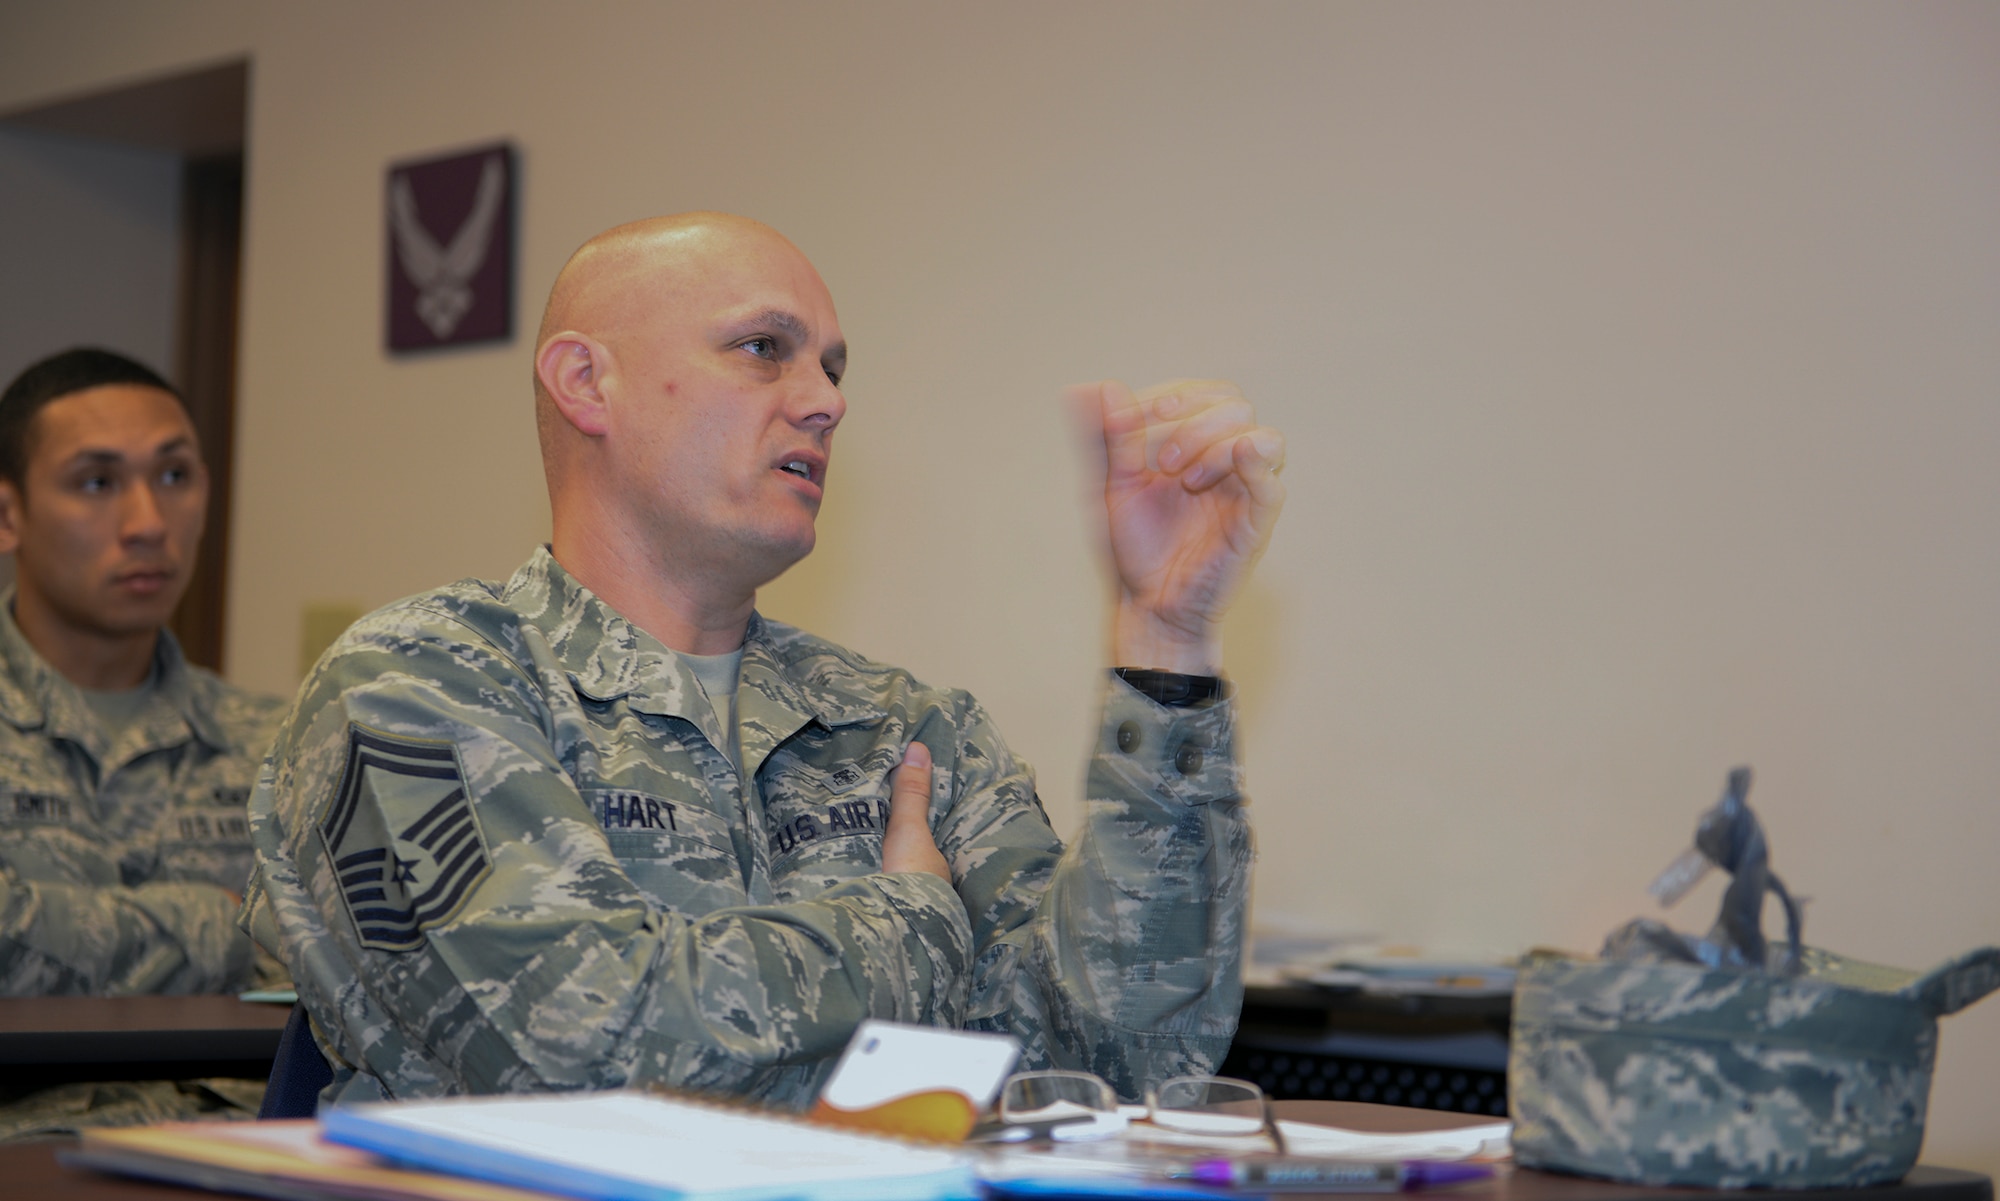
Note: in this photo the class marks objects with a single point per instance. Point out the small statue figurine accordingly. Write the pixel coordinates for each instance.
(1729, 837)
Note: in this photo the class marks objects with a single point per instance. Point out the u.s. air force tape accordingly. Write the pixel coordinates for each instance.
(402, 837)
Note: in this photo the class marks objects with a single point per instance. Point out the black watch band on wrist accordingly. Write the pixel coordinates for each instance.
(1172, 689)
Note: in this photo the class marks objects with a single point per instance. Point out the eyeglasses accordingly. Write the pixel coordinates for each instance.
(1073, 1106)
(1069, 1106)
(1036, 1096)
(1213, 1106)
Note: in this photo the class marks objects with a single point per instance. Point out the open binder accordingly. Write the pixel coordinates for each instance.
(628, 1146)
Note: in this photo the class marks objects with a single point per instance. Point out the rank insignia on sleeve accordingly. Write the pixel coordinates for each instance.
(402, 837)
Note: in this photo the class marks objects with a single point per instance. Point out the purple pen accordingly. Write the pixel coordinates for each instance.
(1296, 1173)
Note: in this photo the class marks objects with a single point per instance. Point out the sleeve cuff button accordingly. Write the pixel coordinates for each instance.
(1187, 760)
(1128, 736)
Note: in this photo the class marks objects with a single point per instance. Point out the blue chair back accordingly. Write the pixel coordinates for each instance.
(297, 1074)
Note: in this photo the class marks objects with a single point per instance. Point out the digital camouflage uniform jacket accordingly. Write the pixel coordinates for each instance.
(504, 854)
(118, 855)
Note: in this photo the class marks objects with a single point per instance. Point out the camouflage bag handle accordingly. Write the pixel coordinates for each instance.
(1956, 983)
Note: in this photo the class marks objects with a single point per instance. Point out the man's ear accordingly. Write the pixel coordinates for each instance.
(572, 369)
(10, 517)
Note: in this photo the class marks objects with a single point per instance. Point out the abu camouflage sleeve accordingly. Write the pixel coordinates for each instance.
(59, 939)
(457, 921)
(1122, 957)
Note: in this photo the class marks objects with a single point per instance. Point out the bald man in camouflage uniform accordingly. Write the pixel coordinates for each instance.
(123, 769)
(603, 824)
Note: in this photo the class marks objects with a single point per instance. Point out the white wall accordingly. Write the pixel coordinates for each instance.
(1638, 362)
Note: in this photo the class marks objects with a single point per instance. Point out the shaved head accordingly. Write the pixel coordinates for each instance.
(687, 386)
(622, 277)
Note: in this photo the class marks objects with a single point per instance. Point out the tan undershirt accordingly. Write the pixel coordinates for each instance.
(118, 709)
(719, 675)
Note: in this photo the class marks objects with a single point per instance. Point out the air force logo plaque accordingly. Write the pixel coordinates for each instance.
(451, 249)
(402, 838)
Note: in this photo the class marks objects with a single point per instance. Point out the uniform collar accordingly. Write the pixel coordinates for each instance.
(784, 685)
(791, 680)
(34, 695)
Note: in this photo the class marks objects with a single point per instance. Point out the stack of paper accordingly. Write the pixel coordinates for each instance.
(283, 1160)
(1131, 1168)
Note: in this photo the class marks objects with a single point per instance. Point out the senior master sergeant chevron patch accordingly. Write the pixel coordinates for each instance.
(403, 836)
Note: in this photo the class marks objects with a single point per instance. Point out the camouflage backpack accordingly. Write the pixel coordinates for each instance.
(1723, 1062)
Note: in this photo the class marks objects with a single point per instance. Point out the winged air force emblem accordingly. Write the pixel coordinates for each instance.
(402, 837)
(451, 249)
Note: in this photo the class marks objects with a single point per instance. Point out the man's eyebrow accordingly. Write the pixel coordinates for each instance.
(98, 456)
(788, 324)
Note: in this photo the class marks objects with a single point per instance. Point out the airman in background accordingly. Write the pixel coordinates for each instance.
(124, 770)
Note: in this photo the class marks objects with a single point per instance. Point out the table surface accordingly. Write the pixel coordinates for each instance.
(136, 1030)
(32, 1173)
